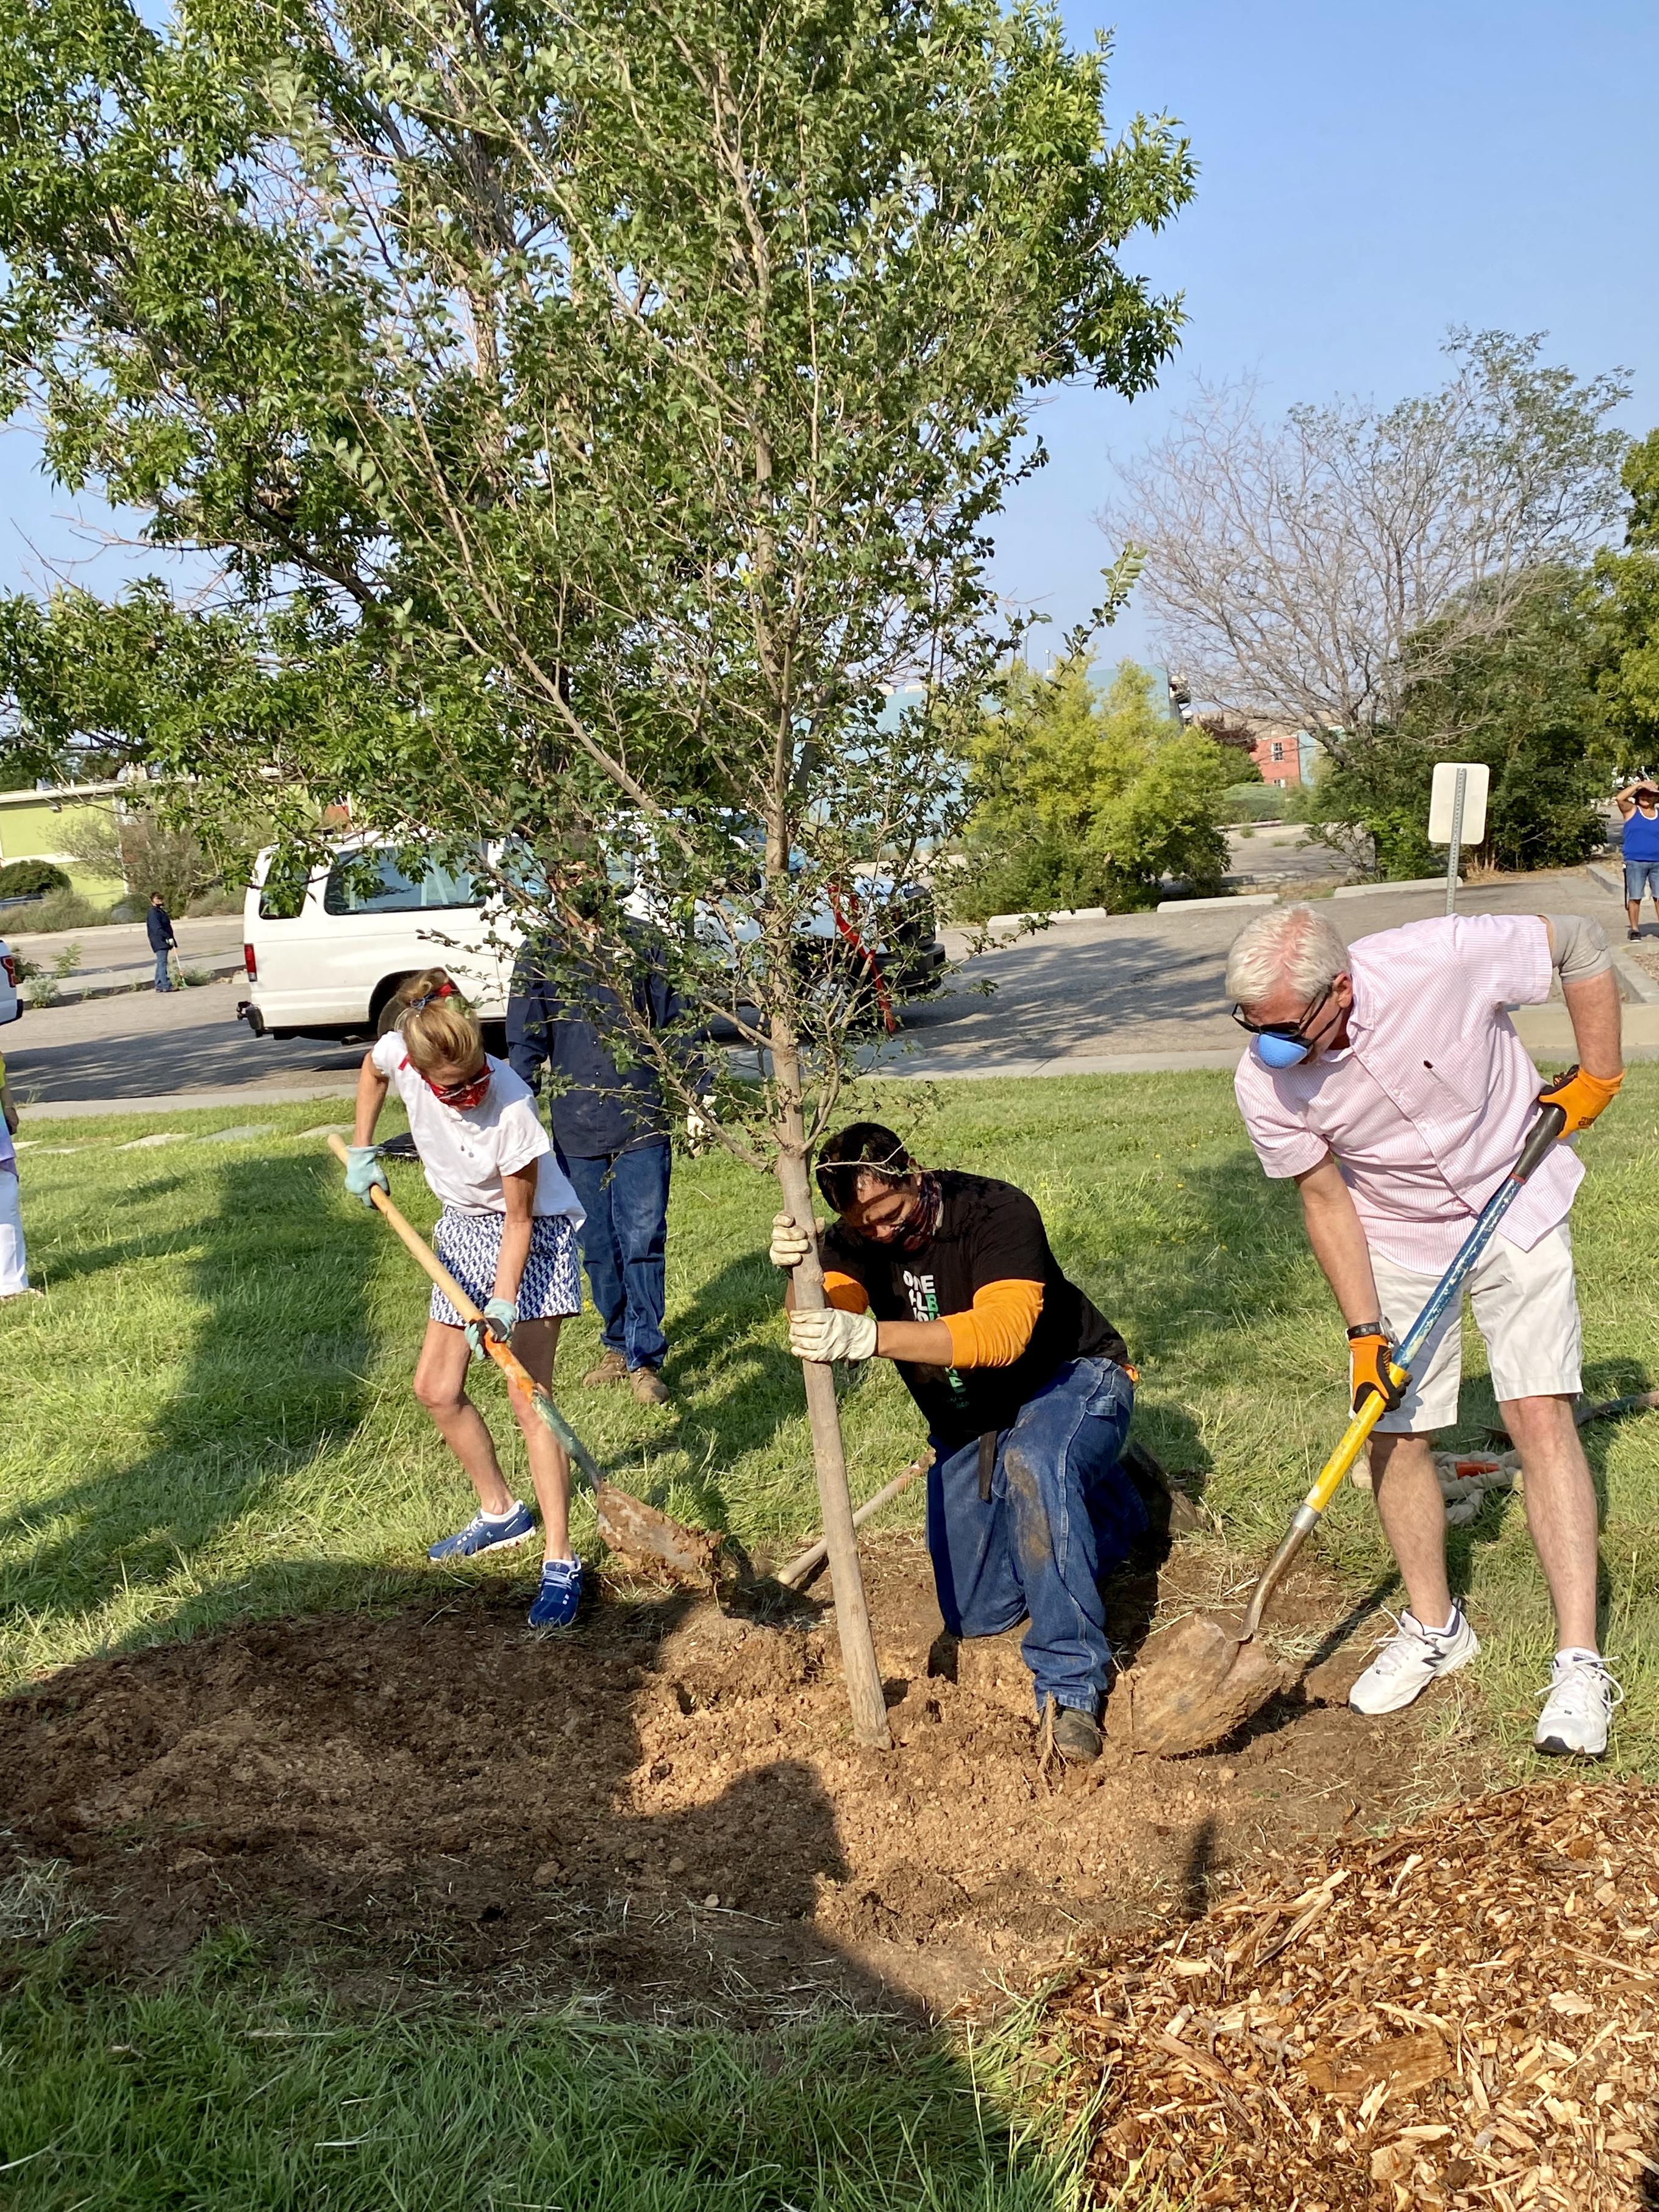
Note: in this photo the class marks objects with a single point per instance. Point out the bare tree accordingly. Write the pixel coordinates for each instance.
(1287, 563)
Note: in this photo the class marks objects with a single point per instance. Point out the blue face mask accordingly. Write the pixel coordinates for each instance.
(1280, 1051)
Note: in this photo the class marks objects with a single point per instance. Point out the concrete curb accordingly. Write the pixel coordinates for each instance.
(1207, 905)
(1378, 890)
(186, 1101)
(1055, 914)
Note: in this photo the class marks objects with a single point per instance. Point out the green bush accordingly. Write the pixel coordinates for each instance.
(1085, 798)
(66, 909)
(23, 878)
(1256, 802)
(1524, 701)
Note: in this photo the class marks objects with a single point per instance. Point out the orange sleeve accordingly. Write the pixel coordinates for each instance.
(999, 1326)
(842, 1290)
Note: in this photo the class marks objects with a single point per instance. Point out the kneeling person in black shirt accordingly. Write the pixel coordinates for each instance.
(1024, 1387)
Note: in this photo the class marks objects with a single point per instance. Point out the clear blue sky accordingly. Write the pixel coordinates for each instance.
(1372, 172)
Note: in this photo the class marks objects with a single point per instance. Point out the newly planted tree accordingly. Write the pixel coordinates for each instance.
(598, 414)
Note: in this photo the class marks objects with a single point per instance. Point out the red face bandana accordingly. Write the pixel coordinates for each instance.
(460, 1095)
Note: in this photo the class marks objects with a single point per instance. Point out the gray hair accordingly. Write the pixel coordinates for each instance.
(1289, 945)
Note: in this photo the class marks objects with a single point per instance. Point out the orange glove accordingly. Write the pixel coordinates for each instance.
(1581, 1096)
(1368, 1351)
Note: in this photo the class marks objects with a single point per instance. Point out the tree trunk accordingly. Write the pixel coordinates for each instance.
(857, 1648)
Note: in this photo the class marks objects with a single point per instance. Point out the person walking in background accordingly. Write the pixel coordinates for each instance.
(14, 1260)
(158, 923)
(1638, 803)
(611, 1125)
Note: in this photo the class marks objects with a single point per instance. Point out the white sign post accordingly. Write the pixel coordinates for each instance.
(1457, 814)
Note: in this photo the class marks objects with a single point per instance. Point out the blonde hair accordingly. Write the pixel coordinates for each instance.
(436, 1023)
(1289, 945)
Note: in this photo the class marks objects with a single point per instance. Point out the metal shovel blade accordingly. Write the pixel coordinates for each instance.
(655, 1541)
(1194, 1683)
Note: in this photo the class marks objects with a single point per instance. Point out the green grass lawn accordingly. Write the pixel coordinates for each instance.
(210, 1416)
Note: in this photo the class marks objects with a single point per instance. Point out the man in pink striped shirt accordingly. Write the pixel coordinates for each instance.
(1387, 1079)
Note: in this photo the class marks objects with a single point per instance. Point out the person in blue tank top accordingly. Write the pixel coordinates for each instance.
(1638, 803)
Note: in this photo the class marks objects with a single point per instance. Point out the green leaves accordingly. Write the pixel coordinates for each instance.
(598, 417)
(1081, 798)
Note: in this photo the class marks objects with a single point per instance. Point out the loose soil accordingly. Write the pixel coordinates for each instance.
(661, 1815)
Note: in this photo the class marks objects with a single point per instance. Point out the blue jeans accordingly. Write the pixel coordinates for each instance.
(1061, 1513)
(624, 1237)
(1642, 876)
(163, 980)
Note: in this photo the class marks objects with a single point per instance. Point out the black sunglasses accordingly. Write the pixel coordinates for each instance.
(1294, 1032)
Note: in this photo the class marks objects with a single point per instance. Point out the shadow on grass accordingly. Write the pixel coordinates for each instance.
(748, 1387)
(272, 1379)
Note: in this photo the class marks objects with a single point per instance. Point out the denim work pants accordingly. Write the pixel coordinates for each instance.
(1061, 1513)
(623, 1239)
(163, 980)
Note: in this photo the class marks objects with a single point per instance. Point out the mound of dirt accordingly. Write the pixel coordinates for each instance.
(1465, 2015)
(662, 1813)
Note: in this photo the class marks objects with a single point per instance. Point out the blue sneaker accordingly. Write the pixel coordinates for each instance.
(482, 1535)
(560, 1595)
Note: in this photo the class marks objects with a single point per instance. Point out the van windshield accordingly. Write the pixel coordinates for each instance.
(372, 882)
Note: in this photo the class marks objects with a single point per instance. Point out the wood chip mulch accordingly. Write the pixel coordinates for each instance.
(1466, 2014)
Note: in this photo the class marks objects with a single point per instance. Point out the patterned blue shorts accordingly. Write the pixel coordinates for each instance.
(469, 1245)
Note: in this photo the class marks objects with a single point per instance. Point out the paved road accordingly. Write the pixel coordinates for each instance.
(1105, 996)
(1081, 998)
(148, 1046)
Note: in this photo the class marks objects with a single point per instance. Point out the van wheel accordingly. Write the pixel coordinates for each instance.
(379, 1007)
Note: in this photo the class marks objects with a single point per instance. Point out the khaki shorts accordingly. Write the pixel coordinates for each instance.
(1526, 1307)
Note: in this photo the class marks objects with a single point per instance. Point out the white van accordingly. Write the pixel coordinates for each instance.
(11, 1001)
(325, 952)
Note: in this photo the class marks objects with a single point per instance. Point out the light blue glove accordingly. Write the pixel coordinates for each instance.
(364, 1172)
(501, 1318)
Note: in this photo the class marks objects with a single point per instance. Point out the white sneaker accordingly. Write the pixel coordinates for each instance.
(1577, 1707)
(1409, 1661)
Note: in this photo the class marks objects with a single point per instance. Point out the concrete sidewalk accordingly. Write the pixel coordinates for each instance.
(115, 957)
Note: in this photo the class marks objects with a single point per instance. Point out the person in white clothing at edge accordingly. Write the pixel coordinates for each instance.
(507, 1234)
(1388, 1080)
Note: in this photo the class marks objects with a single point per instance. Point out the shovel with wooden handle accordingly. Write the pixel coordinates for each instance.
(629, 1527)
(1196, 1682)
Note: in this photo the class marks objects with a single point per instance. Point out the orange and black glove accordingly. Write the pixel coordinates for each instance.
(1580, 1096)
(1370, 1347)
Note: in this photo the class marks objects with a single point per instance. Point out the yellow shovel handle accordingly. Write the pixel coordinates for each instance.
(1352, 1443)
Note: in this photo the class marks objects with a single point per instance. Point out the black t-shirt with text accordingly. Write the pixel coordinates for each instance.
(989, 1232)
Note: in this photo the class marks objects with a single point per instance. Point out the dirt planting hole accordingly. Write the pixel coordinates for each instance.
(662, 1813)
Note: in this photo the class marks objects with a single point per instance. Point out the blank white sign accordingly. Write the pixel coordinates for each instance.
(1442, 802)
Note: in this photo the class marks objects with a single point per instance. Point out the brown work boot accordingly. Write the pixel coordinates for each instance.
(648, 1386)
(613, 1368)
(1077, 1737)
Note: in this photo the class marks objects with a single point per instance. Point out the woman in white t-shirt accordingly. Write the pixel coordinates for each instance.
(507, 1234)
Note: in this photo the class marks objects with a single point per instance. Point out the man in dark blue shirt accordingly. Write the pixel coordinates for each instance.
(611, 1125)
(158, 927)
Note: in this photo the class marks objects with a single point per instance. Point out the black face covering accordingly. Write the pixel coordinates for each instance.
(924, 1226)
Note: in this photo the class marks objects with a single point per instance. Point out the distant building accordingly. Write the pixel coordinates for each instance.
(1285, 754)
(1277, 751)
